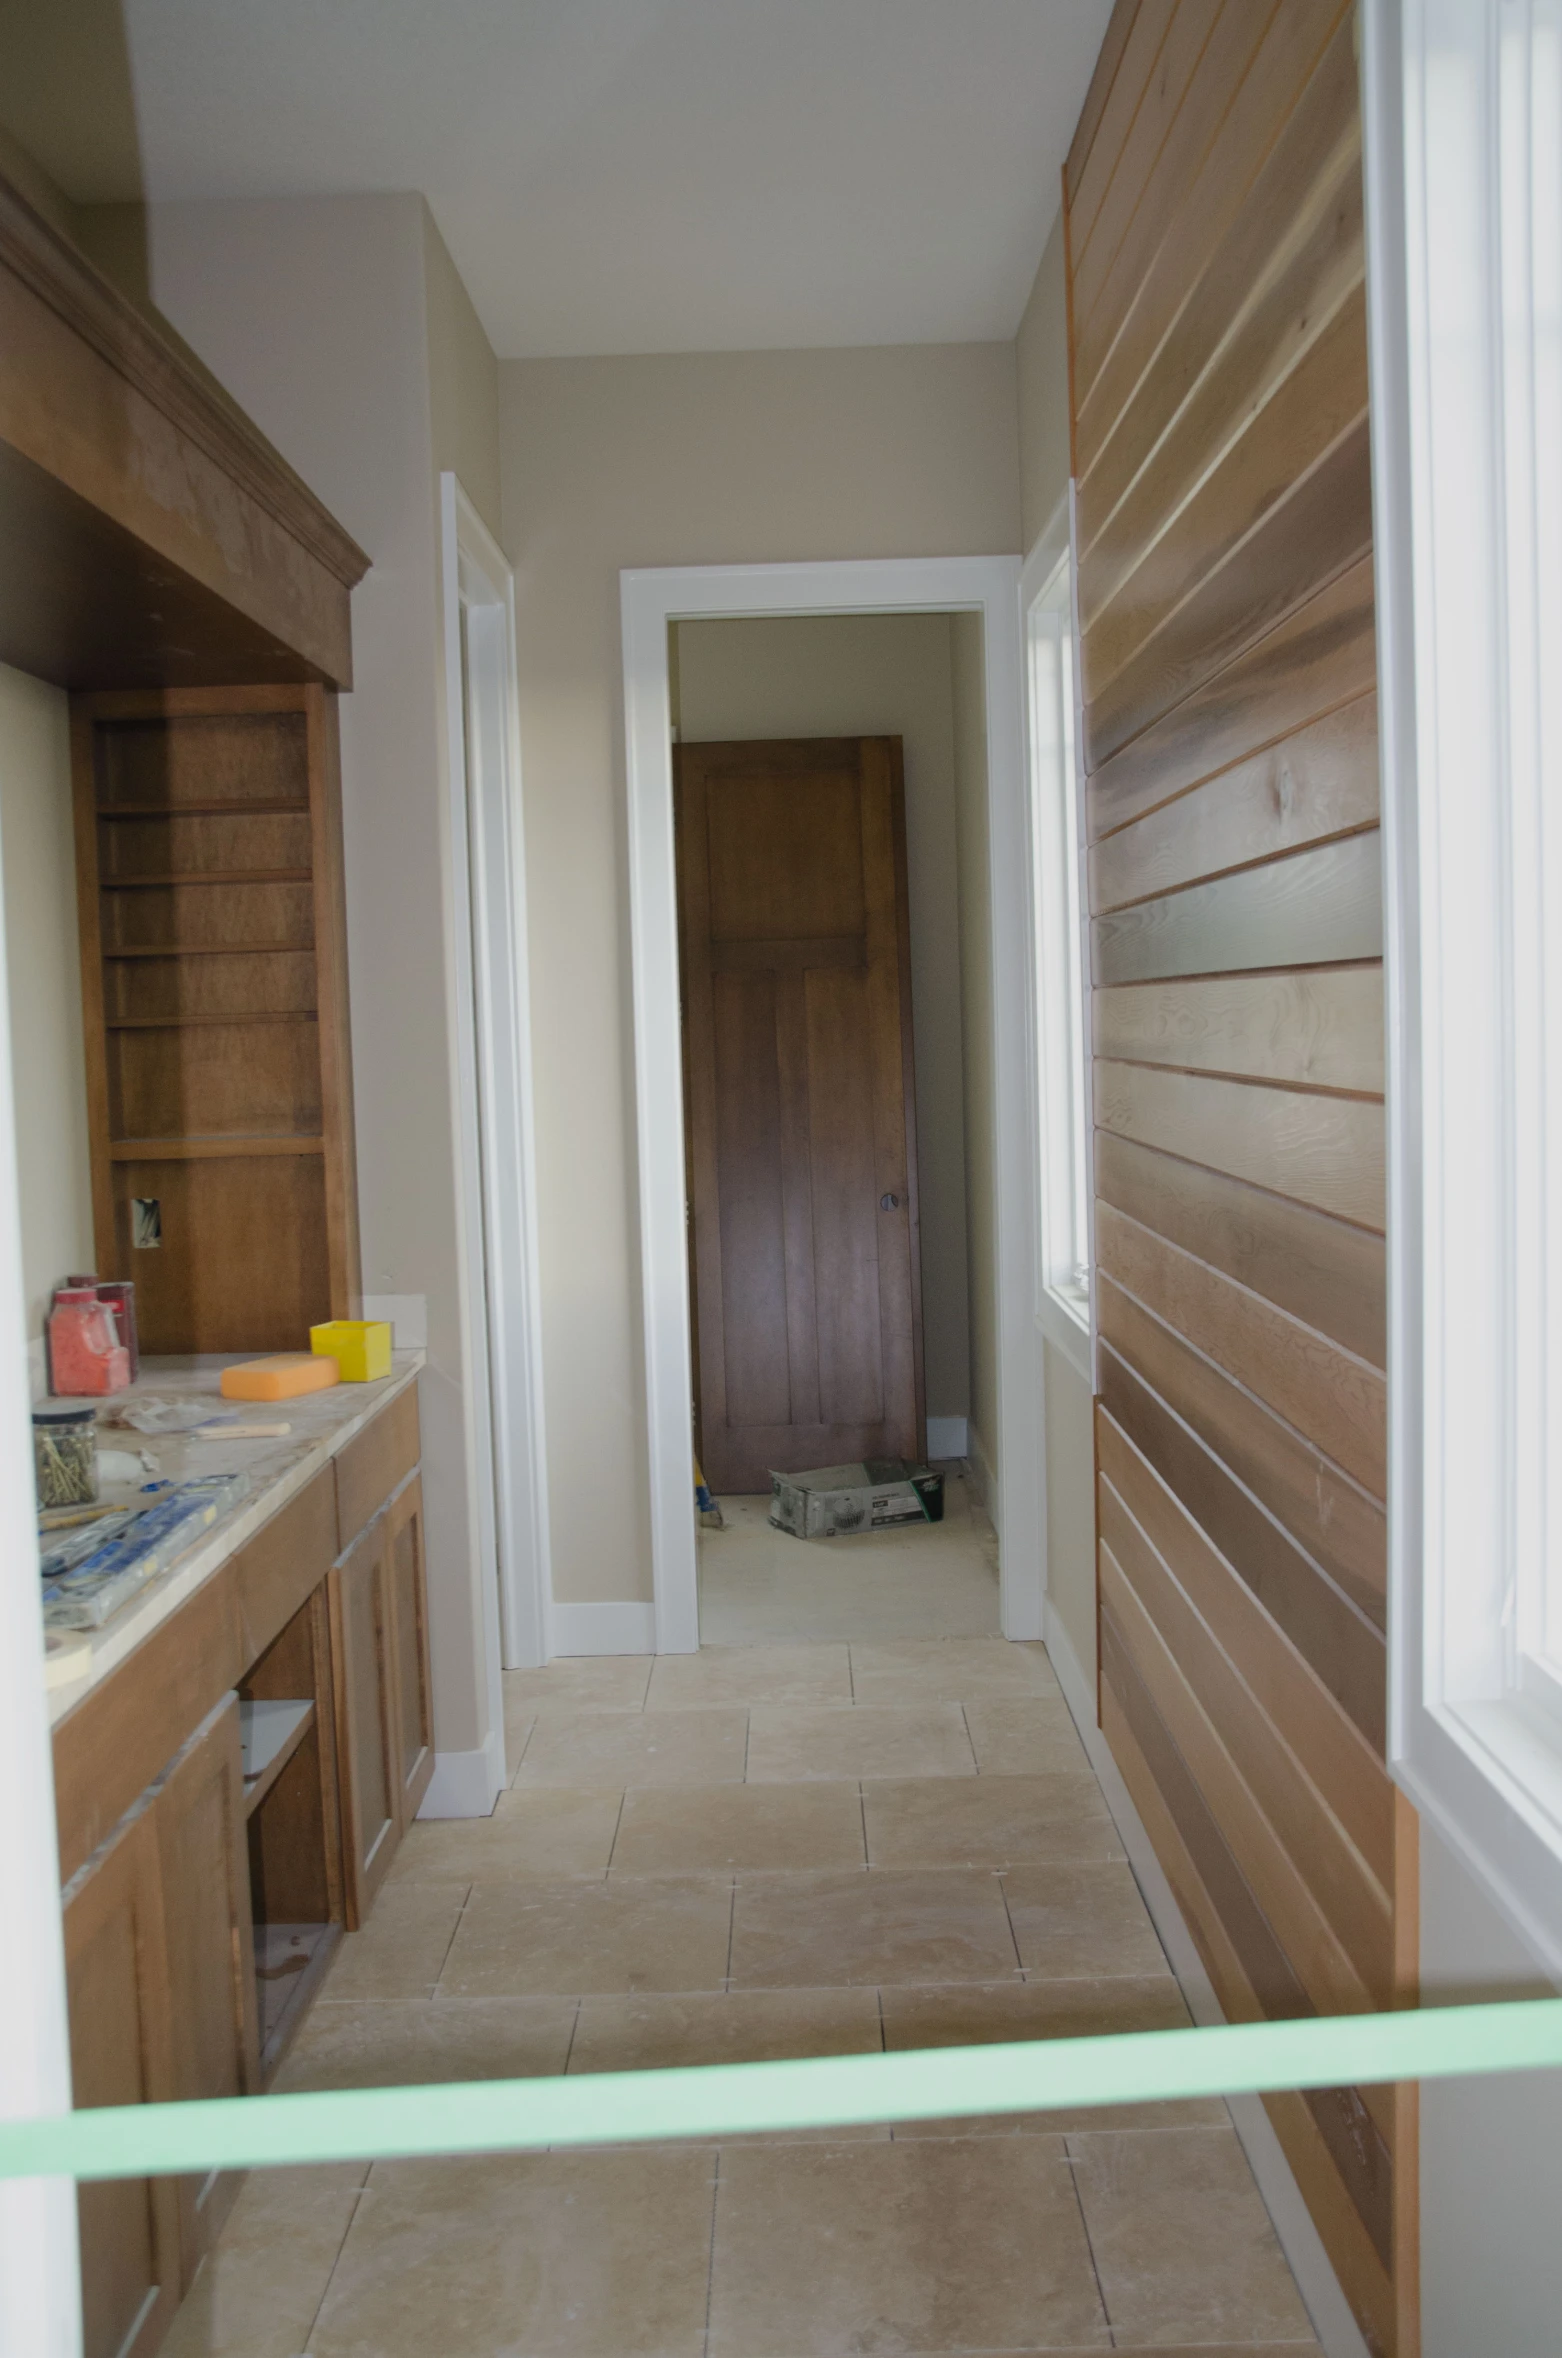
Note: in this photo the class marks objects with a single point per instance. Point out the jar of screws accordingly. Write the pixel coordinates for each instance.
(65, 1456)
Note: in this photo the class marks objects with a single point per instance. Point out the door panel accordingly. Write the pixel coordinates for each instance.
(414, 1717)
(364, 1683)
(801, 1112)
(117, 1973)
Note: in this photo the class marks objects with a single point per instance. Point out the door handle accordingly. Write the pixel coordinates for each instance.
(889, 1203)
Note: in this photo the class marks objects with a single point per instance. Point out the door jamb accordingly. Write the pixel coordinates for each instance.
(498, 1189)
(651, 599)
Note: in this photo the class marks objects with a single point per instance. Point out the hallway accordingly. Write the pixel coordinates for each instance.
(761, 1850)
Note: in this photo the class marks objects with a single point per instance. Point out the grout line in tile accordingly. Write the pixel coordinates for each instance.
(1073, 2179)
(965, 1721)
(573, 2029)
(466, 1898)
(710, 2264)
(732, 1924)
(1019, 1962)
(352, 2216)
(617, 1823)
(862, 1808)
(748, 1729)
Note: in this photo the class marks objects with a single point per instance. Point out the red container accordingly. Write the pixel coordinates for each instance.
(120, 1295)
(86, 1356)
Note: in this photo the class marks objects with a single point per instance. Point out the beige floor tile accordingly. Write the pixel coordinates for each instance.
(826, 2251)
(1026, 1739)
(548, 2255)
(1182, 2241)
(749, 1674)
(401, 1951)
(655, 1933)
(597, 1682)
(519, 1720)
(621, 1748)
(792, 1745)
(835, 1931)
(546, 1830)
(758, 1586)
(257, 2293)
(979, 2017)
(646, 2032)
(406, 2042)
(1089, 1919)
(699, 1829)
(950, 1670)
(987, 1821)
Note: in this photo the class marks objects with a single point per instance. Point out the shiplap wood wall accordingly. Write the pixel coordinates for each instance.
(1219, 388)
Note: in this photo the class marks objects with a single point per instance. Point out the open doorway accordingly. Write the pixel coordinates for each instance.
(672, 667)
(829, 798)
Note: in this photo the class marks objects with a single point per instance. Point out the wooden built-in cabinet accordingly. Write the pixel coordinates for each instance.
(202, 1904)
(214, 994)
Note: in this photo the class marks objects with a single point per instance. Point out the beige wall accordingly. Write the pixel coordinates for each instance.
(317, 315)
(1041, 359)
(976, 1007)
(665, 461)
(43, 976)
(875, 675)
(463, 381)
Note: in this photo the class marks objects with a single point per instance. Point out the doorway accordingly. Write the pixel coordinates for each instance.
(982, 595)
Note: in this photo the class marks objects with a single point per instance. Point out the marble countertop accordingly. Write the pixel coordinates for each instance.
(321, 1424)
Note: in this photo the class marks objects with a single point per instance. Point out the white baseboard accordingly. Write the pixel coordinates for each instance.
(984, 1479)
(466, 1784)
(1316, 2281)
(601, 1629)
(946, 1436)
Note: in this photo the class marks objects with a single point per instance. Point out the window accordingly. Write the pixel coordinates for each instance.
(1464, 181)
(1058, 969)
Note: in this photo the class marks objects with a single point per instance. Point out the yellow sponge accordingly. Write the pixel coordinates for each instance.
(361, 1347)
(282, 1378)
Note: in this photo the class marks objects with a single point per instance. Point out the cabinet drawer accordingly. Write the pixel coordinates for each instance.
(369, 1468)
(285, 1562)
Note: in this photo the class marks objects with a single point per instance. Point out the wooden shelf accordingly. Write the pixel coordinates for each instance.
(206, 876)
(183, 1023)
(198, 1150)
(231, 809)
(269, 1735)
(215, 950)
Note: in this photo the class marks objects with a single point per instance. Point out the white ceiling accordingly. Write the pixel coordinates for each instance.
(624, 175)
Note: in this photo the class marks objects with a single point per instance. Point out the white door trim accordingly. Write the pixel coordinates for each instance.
(651, 599)
(498, 1193)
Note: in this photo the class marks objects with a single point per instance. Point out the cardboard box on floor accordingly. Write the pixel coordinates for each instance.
(871, 1495)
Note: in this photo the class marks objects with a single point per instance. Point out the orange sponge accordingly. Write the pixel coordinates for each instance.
(282, 1378)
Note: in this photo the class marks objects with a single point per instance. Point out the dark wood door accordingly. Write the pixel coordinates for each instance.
(800, 1105)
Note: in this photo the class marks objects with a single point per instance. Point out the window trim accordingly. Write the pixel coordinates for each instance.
(1059, 945)
(1463, 365)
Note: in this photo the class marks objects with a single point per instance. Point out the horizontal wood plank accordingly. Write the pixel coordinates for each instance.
(1321, 657)
(1321, 781)
(1335, 1400)
(1118, 261)
(1157, 542)
(1323, 1151)
(1321, 1029)
(1100, 232)
(1307, 1719)
(1257, 306)
(1115, 40)
(1356, 1906)
(1357, 2254)
(1340, 1528)
(1328, 1974)
(1338, 1641)
(1317, 532)
(1312, 908)
(1324, 1272)
(1140, 305)
(1132, 82)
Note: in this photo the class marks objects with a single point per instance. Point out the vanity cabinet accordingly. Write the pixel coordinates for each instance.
(202, 1903)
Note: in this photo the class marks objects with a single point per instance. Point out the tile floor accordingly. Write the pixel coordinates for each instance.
(771, 1848)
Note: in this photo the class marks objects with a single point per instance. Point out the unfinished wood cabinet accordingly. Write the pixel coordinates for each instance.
(363, 1651)
(198, 1814)
(213, 944)
(117, 1978)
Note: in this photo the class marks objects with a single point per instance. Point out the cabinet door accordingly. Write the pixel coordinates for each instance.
(117, 1976)
(204, 1871)
(364, 1683)
(409, 1601)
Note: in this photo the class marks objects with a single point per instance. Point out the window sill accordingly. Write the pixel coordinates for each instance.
(1490, 1777)
(1063, 1315)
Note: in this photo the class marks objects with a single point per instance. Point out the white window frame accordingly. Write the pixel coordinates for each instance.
(1060, 978)
(1463, 102)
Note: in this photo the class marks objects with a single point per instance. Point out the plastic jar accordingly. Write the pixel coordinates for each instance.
(65, 1456)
